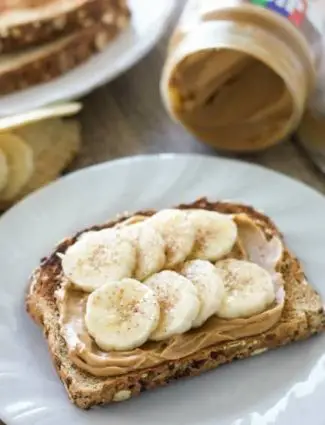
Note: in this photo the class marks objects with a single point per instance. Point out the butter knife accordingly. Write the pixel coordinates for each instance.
(52, 111)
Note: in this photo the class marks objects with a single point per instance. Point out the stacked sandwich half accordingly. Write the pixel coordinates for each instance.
(42, 39)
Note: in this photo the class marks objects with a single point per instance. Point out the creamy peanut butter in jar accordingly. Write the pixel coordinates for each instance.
(238, 73)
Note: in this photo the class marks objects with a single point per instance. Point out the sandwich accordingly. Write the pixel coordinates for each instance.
(26, 23)
(43, 60)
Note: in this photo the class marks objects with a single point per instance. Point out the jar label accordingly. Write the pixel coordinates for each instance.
(305, 15)
(294, 10)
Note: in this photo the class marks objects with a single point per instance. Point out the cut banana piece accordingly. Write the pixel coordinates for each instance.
(179, 303)
(3, 171)
(150, 249)
(177, 232)
(209, 285)
(97, 258)
(121, 315)
(19, 158)
(249, 289)
(216, 234)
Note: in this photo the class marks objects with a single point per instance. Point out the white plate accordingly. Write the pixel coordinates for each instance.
(148, 25)
(283, 387)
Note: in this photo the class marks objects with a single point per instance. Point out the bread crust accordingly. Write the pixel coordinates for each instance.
(31, 32)
(61, 56)
(303, 316)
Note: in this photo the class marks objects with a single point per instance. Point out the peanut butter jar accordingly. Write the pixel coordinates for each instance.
(239, 73)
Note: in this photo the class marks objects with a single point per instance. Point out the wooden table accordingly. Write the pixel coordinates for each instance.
(126, 118)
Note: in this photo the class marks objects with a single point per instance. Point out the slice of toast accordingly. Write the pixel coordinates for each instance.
(39, 65)
(22, 27)
(303, 316)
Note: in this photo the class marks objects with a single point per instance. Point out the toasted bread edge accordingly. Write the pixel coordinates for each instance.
(61, 56)
(33, 33)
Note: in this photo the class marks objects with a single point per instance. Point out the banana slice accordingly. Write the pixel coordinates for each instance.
(121, 315)
(209, 285)
(177, 232)
(216, 234)
(249, 289)
(150, 249)
(97, 258)
(90, 234)
(19, 158)
(179, 303)
(3, 171)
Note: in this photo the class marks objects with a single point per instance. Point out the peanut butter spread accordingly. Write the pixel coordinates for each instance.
(230, 99)
(85, 354)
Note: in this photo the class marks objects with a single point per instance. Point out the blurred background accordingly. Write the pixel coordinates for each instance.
(80, 85)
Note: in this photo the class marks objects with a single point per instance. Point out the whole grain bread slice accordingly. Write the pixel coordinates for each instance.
(42, 64)
(31, 26)
(303, 316)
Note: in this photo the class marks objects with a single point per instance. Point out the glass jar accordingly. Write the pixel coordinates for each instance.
(239, 73)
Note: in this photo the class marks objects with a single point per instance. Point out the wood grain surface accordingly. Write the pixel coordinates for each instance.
(126, 117)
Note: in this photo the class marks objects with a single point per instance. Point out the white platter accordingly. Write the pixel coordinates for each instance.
(286, 386)
(148, 25)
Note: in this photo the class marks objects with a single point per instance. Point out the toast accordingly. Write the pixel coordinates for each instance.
(302, 316)
(44, 63)
(22, 27)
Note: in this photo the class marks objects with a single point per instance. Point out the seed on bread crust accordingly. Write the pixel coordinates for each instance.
(258, 352)
(122, 395)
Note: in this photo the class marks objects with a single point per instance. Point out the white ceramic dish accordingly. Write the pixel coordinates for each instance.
(286, 386)
(148, 25)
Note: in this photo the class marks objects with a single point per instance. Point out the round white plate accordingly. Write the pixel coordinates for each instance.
(147, 26)
(283, 387)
